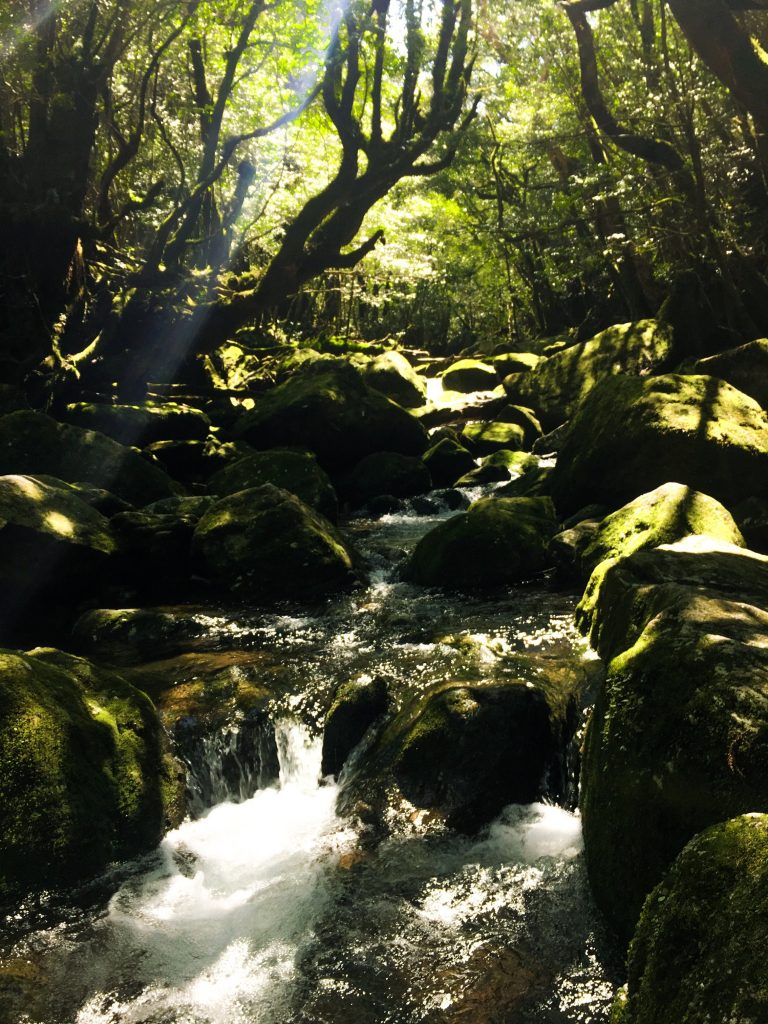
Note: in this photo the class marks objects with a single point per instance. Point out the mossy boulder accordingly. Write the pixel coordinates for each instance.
(663, 516)
(392, 375)
(523, 417)
(698, 954)
(486, 438)
(631, 435)
(468, 375)
(155, 550)
(514, 362)
(498, 541)
(139, 425)
(102, 501)
(356, 705)
(53, 546)
(745, 367)
(468, 750)
(447, 460)
(556, 385)
(186, 461)
(33, 443)
(624, 595)
(294, 471)
(401, 476)
(751, 516)
(327, 408)
(678, 739)
(268, 543)
(85, 778)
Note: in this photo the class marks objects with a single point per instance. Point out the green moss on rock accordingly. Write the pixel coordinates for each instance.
(327, 408)
(141, 424)
(557, 384)
(267, 541)
(447, 460)
(698, 954)
(392, 375)
(631, 435)
(468, 375)
(497, 541)
(32, 443)
(486, 438)
(294, 471)
(745, 367)
(663, 516)
(84, 774)
(678, 740)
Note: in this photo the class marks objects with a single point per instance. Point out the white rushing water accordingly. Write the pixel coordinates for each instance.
(216, 927)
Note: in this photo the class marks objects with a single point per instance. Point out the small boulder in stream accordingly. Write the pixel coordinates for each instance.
(498, 541)
(447, 461)
(468, 375)
(356, 705)
(393, 375)
(390, 473)
(267, 543)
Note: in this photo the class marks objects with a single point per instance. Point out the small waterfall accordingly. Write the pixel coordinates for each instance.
(232, 763)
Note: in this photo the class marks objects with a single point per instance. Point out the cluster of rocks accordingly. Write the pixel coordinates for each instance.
(657, 506)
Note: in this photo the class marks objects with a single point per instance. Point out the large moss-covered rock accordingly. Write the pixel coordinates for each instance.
(745, 367)
(486, 438)
(631, 435)
(514, 362)
(663, 516)
(141, 424)
(268, 543)
(328, 409)
(53, 547)
(294, 471)
(698, 955)
(400, 476)
(84, 775)
(356, 705)
(679, 735)
(447, 460)
(33, 443)
(623, 595)
(497, 541)
(393, 375)
(469, 375)
(557, 384)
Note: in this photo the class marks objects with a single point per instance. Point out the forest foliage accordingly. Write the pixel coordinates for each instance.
(442, 173)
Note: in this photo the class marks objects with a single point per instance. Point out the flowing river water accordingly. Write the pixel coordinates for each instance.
(274, 910)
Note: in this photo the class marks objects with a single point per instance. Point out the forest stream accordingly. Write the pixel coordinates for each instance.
(276, 909)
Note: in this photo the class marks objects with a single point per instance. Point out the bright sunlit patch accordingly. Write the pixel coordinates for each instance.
(59, 523)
